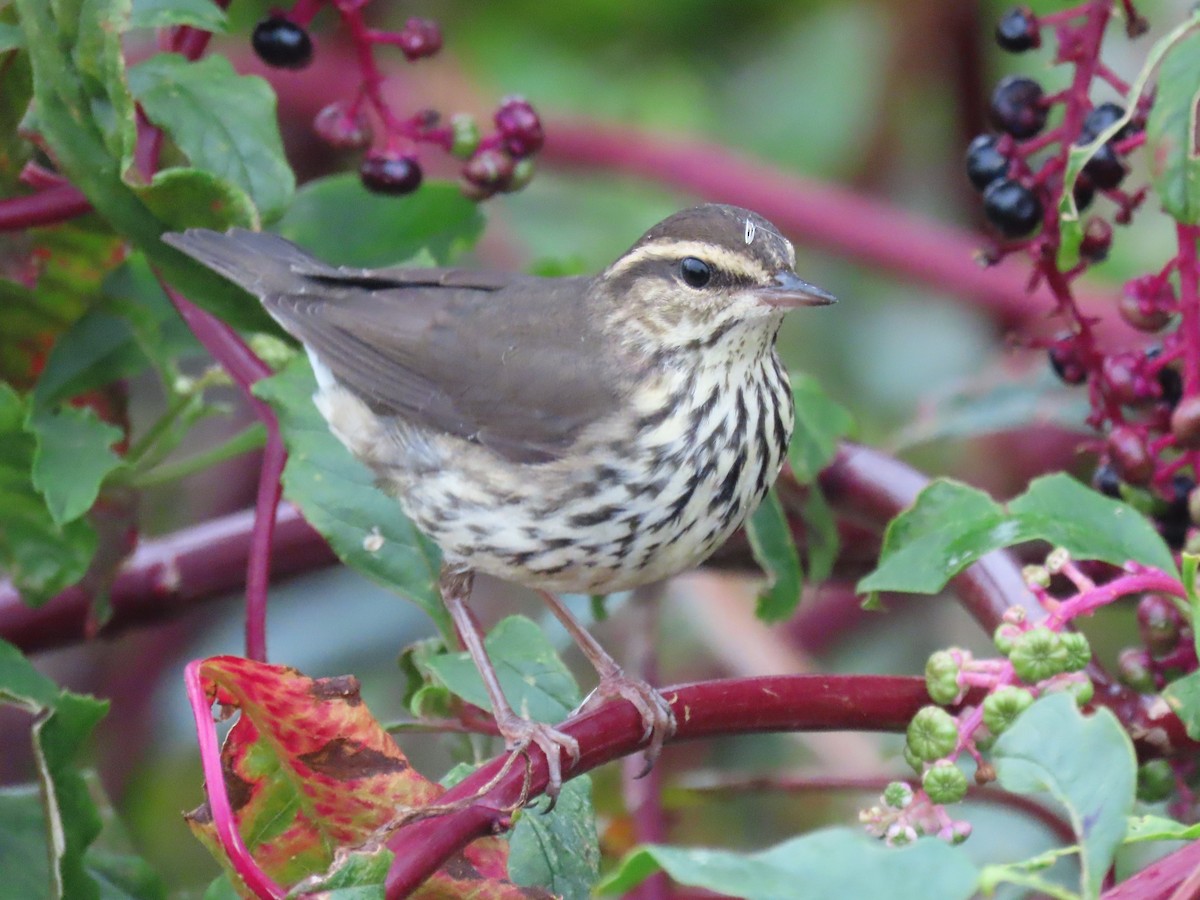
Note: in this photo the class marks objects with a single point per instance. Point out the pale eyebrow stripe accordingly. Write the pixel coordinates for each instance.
(726, 260)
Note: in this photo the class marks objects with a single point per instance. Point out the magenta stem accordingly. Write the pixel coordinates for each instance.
(48, 207)
(1189, 307)
(245, 368)
(738, 706)
(214, 787)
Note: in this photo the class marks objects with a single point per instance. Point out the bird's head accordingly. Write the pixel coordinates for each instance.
(702, 275)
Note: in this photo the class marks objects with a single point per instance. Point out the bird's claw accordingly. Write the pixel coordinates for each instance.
(520, 734)
(658, 718)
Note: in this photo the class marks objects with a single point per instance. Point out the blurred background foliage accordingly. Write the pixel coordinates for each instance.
(880, 97)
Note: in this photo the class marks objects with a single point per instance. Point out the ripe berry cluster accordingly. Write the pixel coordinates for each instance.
(1138, 397)
(499, 162)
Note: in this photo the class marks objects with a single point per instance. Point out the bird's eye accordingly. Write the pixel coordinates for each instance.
(696, 272)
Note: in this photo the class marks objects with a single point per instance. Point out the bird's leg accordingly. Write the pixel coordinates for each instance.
(656, 713)
(518, 732)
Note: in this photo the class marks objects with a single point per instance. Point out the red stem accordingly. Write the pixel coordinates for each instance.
(740, 706)
(1189, 307)
(48, 207)
(166, 577)
(245, 368)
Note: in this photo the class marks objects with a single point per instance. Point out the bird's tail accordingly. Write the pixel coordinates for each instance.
(262, 263)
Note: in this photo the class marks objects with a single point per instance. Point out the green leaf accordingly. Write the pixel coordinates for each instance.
(386, 230)
(202, 14)
(73, 457)
(39, 555)
(1053, 748)
(353, 876)
(559, 850)
(775, 551)
(15, 151)
(1098, 527)
(948, 527)
(1183, 696)
(11, 37)
(224, 123)
(96, 351)
(1158, 828)
(1171, 131)
(821, 534)
(833, 862)
(820, 424)
(85, 114)
(952, 525)
(25, 855)
(364, 526)
(63, 722)
(192, 198)
(533, 678)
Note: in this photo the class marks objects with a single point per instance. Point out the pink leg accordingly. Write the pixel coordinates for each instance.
(518, 732)
(656, 713)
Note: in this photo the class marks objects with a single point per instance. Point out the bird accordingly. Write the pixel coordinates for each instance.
(583, 434)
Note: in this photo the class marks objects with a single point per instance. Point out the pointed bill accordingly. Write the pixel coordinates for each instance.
(789, 292)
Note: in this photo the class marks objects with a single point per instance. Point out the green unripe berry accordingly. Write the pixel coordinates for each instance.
(914, 762)
(944, 782)
(466, 136)
(1002, 706)
(941, 677)
(1039, 654)
(1155, 781)
(522, 174)
(1083, 691)
(1133, 668)
(898, 795)
(932, 733)
(1006, 636)
(1079, 651)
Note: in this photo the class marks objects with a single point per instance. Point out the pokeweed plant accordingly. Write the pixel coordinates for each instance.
(308, 793)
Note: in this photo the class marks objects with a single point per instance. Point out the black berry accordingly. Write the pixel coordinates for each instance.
(1105, 168)
(420, 38)
(385, 174)
(1064, 360)
(1017, 30)
(1012, 207)
(1017, 106)
(1101, 117)
(1106, 480)
(282, 43)
(1171, 384)
(1083, 192)
(984, 162)
(520, 127)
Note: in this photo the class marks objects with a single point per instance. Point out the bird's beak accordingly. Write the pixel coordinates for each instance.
(788, 292)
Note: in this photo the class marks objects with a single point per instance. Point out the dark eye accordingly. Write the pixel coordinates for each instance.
(696, 272)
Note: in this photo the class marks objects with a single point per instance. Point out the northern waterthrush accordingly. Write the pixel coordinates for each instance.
(585, 434)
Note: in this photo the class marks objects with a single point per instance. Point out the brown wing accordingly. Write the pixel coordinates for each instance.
(509, 362)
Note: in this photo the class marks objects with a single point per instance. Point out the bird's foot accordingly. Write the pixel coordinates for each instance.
(520, 734)
(657, 716)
